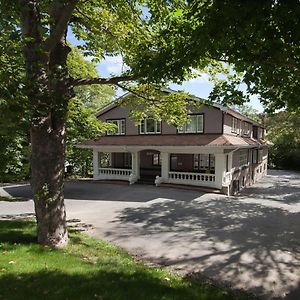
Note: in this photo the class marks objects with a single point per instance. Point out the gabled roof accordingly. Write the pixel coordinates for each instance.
(223, 108)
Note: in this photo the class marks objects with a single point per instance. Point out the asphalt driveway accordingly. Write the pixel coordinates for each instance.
(251, 241)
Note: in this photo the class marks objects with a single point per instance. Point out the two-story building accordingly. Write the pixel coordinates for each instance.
(218, 148)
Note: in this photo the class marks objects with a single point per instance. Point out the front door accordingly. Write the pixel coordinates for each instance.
(150, 165)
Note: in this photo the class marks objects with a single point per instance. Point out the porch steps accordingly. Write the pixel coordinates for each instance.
(192, 187)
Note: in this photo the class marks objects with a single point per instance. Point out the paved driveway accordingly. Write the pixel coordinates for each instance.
(251, 241)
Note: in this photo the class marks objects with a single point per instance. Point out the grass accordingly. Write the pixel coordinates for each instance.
(86, 269)
(12, 199)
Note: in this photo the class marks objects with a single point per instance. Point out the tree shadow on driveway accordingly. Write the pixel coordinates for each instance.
(95, 191)
(250, 245)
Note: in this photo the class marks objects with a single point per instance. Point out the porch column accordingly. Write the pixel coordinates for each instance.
(165, 166)
(95, 164)
(135, 158)
(220, 168)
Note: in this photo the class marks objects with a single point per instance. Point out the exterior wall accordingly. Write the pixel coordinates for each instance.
(227, 124)
(120, 112)
(246, 175)
(212, 120)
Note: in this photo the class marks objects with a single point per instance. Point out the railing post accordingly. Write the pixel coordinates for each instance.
(135, 168)
(95, 164)
(165, 166)
(220, 169)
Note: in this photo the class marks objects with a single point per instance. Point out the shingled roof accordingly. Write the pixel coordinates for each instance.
(172, 140)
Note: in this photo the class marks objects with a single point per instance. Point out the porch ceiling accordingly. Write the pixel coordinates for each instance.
(171, 140)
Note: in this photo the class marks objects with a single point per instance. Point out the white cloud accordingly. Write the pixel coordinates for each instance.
(111, 65)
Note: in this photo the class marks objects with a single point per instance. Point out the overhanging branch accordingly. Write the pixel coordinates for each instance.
(112, 80)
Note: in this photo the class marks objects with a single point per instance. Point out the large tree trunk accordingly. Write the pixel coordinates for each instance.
(47, 165)
(48, 90)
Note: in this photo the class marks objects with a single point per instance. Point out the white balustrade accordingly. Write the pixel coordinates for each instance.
(114, 173)
(201, 179)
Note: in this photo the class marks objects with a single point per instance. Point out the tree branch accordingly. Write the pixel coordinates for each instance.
(61, 14)
(112, 80)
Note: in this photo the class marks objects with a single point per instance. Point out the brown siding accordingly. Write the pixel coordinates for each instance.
(227, 124)
(212, 120)
(120, 112)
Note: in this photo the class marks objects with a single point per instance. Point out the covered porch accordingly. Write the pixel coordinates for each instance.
(200, 166)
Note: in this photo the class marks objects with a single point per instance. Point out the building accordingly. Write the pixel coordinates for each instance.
(218, 148)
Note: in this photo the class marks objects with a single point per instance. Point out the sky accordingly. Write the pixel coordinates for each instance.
(199, 86)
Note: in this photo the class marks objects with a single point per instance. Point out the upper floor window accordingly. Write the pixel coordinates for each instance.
(246, 129)
(194, 125)
(120, 127)
(150, 126)
(234, 126)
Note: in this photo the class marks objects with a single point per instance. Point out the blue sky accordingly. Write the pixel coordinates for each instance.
(199, 86)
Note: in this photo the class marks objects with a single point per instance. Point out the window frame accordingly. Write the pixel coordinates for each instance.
(234, 121)
(119, 121)
(182, 129)
(157, 161)
(197, 158)
(246, 129)
(143, 125)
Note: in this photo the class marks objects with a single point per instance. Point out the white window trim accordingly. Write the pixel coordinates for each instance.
(119, 130)
(156, 122)
(183, 128)
(234, 125)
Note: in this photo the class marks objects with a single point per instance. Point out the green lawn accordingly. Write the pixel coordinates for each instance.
(12, 199)
(86, 269)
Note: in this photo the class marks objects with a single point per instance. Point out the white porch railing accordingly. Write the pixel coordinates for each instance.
(200, 179)
(114, 173)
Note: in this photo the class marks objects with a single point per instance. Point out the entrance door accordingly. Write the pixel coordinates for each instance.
(150, 165)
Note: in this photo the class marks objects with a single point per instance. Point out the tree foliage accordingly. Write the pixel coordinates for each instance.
(283, 132)
(256, 44)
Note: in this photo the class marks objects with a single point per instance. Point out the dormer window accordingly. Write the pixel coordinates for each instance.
(234, 125)
(150, 126)
(194, 125)
(120, 127)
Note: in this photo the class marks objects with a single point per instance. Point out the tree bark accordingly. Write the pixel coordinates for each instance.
(48, 90)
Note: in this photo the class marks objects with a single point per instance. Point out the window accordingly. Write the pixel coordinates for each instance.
(105, 160)
(150, 126)
(256, 132)
(243, 158)
(234, 126)
(174, 162)
(127, 160)
(156, 159)
(194, 125)
(204, 162)
(120, 127)
(246, 129)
